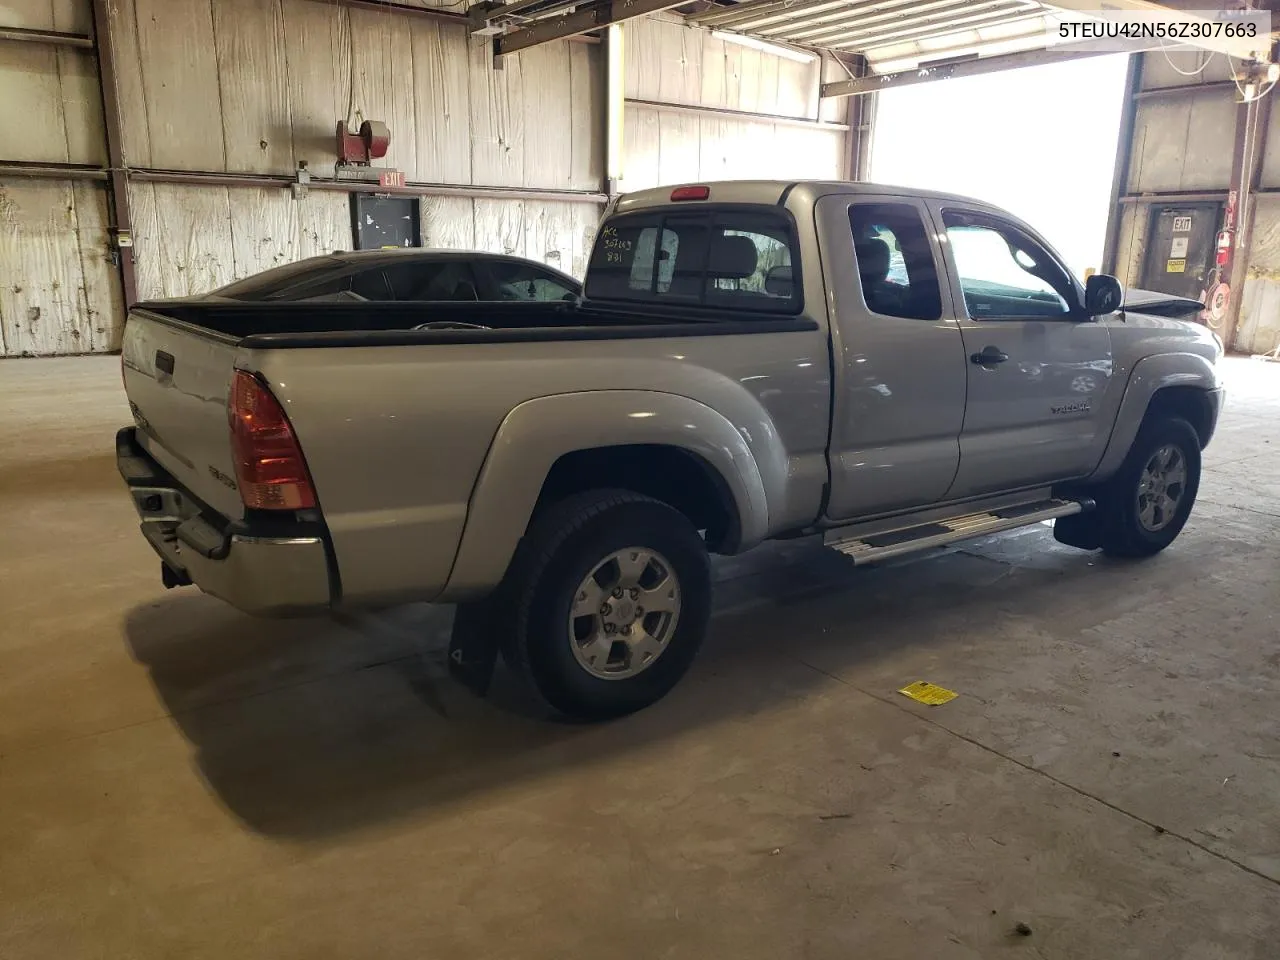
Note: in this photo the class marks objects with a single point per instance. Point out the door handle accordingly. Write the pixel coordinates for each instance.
(989, 357)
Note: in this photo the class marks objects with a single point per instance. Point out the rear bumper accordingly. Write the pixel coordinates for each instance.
(280, 571)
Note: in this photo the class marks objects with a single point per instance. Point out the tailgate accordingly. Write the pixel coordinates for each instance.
(177, 377)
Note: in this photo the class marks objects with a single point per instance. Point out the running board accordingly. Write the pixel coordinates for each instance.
(885, 545)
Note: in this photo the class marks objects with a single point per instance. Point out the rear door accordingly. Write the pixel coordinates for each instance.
(177, 377)
(899, 356)
(1038, 369)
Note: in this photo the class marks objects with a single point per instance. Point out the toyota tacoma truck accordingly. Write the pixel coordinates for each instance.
(888, 370)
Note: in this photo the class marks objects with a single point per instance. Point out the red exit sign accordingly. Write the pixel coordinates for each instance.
(391, 178)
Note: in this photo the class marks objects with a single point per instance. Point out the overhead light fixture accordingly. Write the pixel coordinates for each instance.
(617, 104)
(764, 46)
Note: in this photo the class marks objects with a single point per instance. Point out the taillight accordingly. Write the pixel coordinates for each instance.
(690, 193)
(269, 466)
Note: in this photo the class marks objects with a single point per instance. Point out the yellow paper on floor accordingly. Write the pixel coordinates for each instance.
(928, 693)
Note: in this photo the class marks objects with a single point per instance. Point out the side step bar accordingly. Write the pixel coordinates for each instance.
(925, 536)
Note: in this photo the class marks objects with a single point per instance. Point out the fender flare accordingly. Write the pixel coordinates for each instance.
(538, 432)
(1150, 376)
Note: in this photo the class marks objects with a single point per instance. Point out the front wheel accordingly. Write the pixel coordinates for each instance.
(1147, 503)
(611, 596)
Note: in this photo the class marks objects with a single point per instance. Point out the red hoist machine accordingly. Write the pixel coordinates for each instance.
(362, 148)
(356, 153)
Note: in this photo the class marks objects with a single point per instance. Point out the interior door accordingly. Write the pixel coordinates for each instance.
(1038, 368)
(899, 357)
(1181, 250)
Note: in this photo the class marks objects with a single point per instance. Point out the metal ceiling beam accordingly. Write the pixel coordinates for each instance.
(966, 68)
(524, 8)
(823, 13)
(952, 53)
(582, 20)
(1244, 48)
(386, 6)
(910, 30)
(938, 17)
(1184, 89)
(873, 45)
(759, 11)
(751, 8)
(777, 119)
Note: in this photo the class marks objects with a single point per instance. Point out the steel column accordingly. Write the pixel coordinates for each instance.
(119, 221)
(1258, 113)
(1124, 158)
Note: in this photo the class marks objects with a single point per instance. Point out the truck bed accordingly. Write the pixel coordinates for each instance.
(311, 324)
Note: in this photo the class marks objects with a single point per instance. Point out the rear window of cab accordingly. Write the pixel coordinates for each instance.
(740, 260)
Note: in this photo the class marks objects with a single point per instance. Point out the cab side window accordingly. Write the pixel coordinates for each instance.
(896, 267)
(1004, 274)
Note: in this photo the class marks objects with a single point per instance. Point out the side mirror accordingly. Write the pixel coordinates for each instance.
(1102, 295)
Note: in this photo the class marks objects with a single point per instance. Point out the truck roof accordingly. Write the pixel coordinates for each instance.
(771, 192)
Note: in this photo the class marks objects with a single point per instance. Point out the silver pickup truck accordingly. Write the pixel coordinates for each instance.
(886, 369)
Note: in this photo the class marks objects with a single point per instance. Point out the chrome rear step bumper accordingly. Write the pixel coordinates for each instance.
(265, 572)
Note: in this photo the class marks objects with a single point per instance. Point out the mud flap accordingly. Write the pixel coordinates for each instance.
(473, 646)
(1083, 531)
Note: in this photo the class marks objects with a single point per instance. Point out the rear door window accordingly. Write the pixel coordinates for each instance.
(730, 259)
(896, 266)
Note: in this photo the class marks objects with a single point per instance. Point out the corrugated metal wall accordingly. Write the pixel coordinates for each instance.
(253, 87)
(1181, 143)
(670, 62)
(1184, 143)
(59, 291)
(274, 77)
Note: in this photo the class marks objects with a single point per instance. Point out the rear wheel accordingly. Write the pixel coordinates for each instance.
(1144, 507)
(611, 595)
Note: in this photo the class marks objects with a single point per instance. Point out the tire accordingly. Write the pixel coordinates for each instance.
(1125, 529)
(579, 669)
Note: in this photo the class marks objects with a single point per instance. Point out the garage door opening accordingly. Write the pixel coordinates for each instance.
(1040, 141)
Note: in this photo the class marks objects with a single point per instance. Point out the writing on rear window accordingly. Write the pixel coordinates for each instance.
(615, 247)
(743, 260)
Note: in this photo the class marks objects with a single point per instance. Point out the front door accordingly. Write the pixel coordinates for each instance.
(899, 357)
(1038, 369)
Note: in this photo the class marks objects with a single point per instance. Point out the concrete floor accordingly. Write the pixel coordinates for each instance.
(180, 781)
